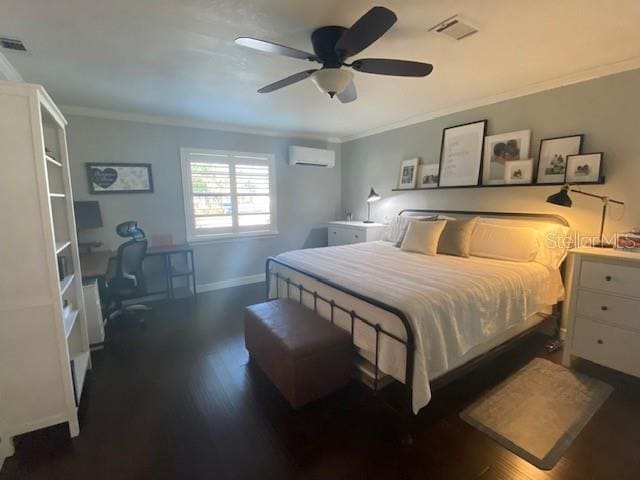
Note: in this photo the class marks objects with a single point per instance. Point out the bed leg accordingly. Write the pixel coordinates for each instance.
(556, 342)
(407, 421)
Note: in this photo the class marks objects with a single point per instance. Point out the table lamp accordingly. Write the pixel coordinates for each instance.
(373, 197)
(562, 199)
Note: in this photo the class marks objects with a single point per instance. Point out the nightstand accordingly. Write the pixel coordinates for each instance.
(344, 233)
(602, 309)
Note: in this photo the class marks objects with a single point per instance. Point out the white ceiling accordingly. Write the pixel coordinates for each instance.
(177, 58)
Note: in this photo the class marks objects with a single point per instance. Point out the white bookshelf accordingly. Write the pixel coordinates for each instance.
(44, 346)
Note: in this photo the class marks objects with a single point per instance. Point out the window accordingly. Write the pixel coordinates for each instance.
(228, 194)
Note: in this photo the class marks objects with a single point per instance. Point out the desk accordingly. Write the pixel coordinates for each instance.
(94, 265)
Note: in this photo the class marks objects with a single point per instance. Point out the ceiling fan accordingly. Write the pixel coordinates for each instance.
(332, 46)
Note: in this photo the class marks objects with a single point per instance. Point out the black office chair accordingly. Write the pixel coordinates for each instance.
(125, 279)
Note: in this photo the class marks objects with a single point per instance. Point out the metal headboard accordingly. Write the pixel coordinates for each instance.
(517, 215)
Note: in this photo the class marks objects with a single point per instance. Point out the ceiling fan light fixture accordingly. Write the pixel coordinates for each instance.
(332, 80)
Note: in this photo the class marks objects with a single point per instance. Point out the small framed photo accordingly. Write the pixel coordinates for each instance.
(461, 154)
(518, 172)
(501, 149)
(585, 168)
(408, 173)
(120, 177)
(552, 161)
(428, 175)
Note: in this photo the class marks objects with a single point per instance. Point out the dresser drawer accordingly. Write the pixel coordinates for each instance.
(610, 278)
(624, 312)
(335, 236)
(345, 236)
(352, 235)
(607, 345)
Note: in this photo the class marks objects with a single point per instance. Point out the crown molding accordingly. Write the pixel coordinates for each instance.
(186, 123)
(8, 71)
(571, 79)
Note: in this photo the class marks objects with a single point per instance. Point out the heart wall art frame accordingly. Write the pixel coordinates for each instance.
(119, 177)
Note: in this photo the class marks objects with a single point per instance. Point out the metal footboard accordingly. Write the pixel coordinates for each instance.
(379, 330)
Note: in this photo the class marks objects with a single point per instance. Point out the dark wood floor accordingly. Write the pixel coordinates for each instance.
(176, 399)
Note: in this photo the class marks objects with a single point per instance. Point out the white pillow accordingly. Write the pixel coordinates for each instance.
(395, 231)
(554, 240)
(517, 244)
(423, 237)
(554, 245)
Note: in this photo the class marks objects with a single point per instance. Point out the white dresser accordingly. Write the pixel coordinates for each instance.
(344, 233)
(602, 310)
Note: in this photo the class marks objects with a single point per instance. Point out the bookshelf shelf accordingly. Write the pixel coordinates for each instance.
(69, 318)
(65, 283)
(53, 162)
(60, 246)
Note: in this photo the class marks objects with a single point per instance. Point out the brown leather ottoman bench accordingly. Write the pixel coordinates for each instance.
(305, 356)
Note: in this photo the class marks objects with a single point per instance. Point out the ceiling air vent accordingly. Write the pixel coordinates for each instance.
(12, 44)
(454, 27)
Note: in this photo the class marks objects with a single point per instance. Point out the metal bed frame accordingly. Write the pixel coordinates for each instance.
(408, 342)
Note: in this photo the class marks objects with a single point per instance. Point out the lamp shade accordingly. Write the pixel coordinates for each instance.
(561, 198)
(332, 80)
(373, 196)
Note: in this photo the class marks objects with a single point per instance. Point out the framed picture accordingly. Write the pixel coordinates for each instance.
(428, 175)
(518, 172)
(461, 154)
(585, 168)
(119, 177)
(552, 161)
(408, 173)
(500, 150)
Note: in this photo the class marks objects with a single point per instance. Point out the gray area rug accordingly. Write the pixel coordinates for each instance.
(537, 412)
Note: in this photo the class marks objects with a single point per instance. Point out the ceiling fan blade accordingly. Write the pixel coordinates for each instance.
(285, 82)
(399, 68)
(349, 94)
(276, 48)
(369, 28)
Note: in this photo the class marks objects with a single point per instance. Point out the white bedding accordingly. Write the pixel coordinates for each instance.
(454, 304)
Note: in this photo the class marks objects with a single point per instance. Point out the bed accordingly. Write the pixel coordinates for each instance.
(419, 318)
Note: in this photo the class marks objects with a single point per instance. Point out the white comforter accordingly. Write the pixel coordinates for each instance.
(454, 304)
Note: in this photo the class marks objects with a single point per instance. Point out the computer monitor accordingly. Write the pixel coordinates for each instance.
(87, 215)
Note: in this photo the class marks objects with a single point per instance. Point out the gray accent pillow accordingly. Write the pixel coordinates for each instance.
(456, 237)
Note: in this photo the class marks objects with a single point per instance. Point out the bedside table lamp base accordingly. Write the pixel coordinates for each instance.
(373, 197)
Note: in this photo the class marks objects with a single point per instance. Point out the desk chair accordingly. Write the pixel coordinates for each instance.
(125, 279)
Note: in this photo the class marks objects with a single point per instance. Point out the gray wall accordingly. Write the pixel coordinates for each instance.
(606, 110)
(306, 197)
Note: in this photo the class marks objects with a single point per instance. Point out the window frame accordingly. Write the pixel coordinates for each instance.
(235, 231)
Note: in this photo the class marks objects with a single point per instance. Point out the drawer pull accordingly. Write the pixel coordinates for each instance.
(604, 308)
(608, 278)
(356, 236)
(334, 232)
(600, 341)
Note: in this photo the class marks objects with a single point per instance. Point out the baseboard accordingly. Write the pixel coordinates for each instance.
(232, 282)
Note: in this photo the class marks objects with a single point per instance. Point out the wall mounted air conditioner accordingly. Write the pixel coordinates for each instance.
(313, 157)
